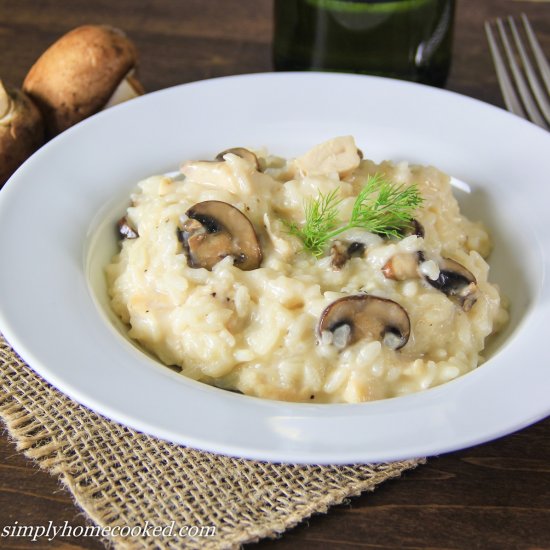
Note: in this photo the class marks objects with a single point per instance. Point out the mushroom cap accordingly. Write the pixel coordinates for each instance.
(125, 229)
(342, 251)
(415, 228)
(457, 282)
(368, 317)
(21, 130)
(216, 230)
(242, 152)
(75, 77)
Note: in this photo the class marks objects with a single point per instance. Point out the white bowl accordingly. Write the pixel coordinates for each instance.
(56, 235)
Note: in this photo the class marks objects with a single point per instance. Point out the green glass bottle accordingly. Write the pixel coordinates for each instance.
(407, 39)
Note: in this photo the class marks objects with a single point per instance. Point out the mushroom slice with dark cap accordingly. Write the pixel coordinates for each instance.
(364, 316)
(245, 154)
(342, 251)
(456, 282)
(216, 230)
(415, 228)
(126, 230)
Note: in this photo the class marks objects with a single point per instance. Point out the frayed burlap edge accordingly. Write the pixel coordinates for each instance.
(120, 477)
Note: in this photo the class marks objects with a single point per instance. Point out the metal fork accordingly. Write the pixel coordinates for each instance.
(526, 93)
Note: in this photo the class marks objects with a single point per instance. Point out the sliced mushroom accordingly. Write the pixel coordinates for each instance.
(245, 154)
(82, 73)
(449, 277)
(415, 228)
(457, 282)
(216, 230)
(342, 251)
(125, 229)
(365, 316)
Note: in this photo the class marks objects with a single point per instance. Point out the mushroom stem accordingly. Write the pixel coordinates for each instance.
(129, 88)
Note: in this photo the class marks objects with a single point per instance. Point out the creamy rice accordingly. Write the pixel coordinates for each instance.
(257, 331)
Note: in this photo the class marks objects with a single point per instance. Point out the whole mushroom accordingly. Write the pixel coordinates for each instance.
(86, 70)
(21, 130)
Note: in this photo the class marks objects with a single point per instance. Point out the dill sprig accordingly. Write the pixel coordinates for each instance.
(321, 219)
(381, 207)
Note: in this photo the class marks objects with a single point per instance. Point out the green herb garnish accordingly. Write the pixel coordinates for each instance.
(381, 207)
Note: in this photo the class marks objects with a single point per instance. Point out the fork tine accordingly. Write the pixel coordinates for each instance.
(521, 84)
(510, 97)
(540, 95)
(537, 50)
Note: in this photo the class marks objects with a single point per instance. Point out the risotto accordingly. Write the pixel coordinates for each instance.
(219, 276)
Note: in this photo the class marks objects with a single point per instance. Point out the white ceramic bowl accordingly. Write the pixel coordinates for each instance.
(56, 235)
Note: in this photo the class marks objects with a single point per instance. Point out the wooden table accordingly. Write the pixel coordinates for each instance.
(495, 495)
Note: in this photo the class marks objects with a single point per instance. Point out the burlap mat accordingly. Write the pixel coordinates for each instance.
(125, 478)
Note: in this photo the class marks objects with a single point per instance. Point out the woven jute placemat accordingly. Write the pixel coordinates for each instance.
(121, 477)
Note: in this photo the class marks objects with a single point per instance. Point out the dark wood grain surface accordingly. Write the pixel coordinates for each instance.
(496, 495)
